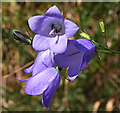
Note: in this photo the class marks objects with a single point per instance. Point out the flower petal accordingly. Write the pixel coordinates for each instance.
(73, 77)
(74, 66)
(39, 83)
(24, 79)
(70, 28)
(89, 52)
(29, 70)
(54, 12)
(58, 44)
(87, 57)
(40, 43)
(49, 92)
(70, 58)
(42, 62)
(73, 72)
(61, 60)
(35, 23)
(84, 44)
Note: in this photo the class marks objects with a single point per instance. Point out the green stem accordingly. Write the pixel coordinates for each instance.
(99, 45)
(107, 51)
(4, 107)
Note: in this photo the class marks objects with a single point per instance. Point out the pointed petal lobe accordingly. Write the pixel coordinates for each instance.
(70, 28)
(72, 78)
(54, 12)
(24, 79)
(29, 70)
(35, 23)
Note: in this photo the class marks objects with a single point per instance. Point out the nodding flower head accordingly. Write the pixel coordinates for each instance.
(45, 78)
(52, 31)
(77, 55)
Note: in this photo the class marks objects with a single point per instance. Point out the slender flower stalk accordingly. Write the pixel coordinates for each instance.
(109, 51)
(104, 49)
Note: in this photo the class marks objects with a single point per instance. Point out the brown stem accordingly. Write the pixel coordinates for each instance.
(6, 76)
(66, 95)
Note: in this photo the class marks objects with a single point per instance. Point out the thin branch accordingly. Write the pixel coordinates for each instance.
(6, 76)
(114, 83)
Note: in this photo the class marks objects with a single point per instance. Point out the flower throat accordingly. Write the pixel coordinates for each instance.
(56, 27)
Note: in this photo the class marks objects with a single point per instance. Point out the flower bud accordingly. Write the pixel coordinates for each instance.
(101, 23)
(22, 37)
(85, 35)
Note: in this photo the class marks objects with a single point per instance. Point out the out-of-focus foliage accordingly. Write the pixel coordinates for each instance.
(95, 89)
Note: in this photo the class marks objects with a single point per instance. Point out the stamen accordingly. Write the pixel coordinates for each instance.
(52, 31)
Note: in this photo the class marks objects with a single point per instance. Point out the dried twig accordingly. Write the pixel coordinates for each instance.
(114, 83)
(6, 76)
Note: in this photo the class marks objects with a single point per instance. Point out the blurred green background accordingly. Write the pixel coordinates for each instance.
(95, 89)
